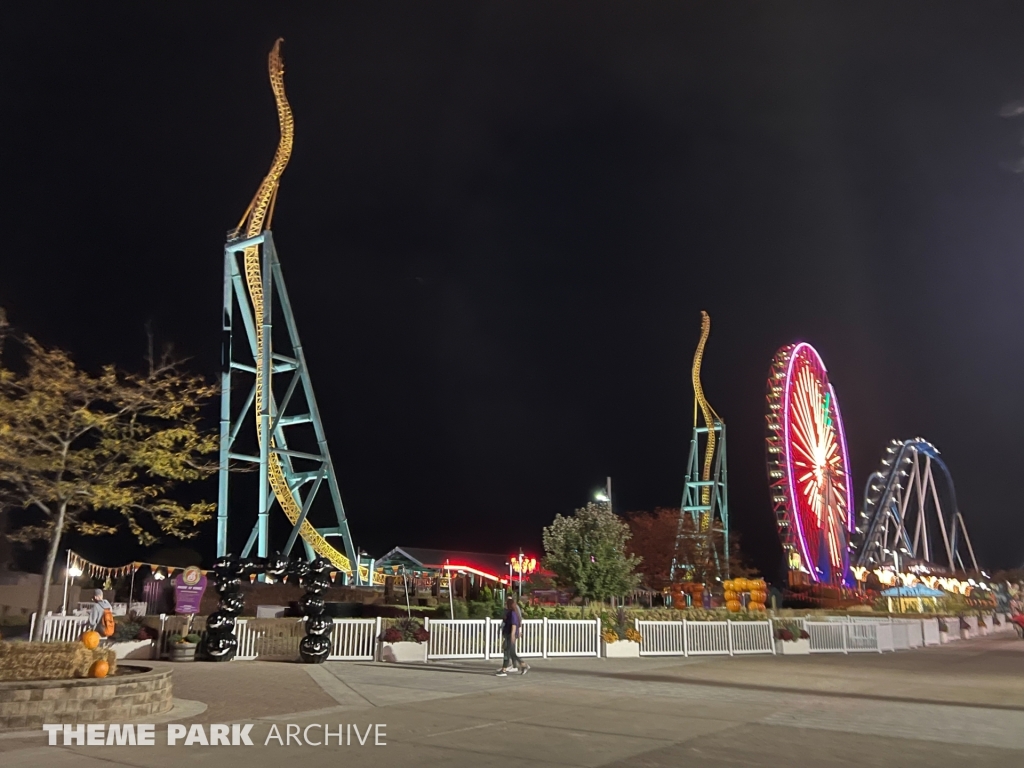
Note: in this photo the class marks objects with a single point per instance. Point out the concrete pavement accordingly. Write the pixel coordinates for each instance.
(960, 704)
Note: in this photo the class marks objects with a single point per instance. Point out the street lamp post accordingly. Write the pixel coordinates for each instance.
(520, 574)
(67, 575)
(70, 573)
(405, 582)
(451, 589)
(605, 495)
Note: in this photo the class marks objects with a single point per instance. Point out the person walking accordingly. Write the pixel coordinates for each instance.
(510, 631)
(101, 616)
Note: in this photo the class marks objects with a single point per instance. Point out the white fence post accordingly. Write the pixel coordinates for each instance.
(686, 647)
(728, 632)
(487, 638)
(544, 647)
(597, 639)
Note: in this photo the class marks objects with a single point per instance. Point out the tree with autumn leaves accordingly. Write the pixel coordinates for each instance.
(656, 540)
(91, 453)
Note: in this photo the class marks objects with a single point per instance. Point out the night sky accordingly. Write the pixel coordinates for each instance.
(501, 222)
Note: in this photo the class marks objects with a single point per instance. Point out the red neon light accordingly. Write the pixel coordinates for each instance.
(471, 569)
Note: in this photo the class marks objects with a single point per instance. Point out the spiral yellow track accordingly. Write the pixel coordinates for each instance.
(256, 219)
(710, 417)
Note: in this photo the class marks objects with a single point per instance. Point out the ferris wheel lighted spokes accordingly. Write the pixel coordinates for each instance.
(807, 465)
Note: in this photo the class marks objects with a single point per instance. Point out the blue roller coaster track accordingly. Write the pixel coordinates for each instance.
(903, 513)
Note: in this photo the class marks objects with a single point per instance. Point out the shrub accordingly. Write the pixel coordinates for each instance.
(405, 631)
(444, 610)
(790, 631)
(125, 631)
(615, 627)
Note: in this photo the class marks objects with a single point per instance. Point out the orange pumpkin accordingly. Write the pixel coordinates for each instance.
(733, 605)
(99, 669)
(755, 606)
(730, 596)
(91, 639)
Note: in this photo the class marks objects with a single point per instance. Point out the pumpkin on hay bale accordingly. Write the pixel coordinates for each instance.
(51, 661)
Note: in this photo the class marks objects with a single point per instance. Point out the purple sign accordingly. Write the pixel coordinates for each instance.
(188, 590)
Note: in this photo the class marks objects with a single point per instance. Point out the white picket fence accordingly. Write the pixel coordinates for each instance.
(351, 640)
(543, 638)
(58, 628)
(356, 639)
(850, 637)
(705, 638)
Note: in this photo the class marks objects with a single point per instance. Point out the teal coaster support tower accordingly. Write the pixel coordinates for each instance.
(290, 414)
(714, 512)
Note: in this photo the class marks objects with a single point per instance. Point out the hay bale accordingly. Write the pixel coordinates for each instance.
(50, 661)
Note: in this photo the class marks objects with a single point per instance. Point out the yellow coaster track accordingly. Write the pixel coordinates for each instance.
(710, 417)
(256, 219)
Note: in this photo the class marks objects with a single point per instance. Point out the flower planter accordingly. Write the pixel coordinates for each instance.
(621, 649)
(965, 634)
(982, 631)
(182, 651)
(943, 637)
(800, 647)
(134, 649)
(403, 652)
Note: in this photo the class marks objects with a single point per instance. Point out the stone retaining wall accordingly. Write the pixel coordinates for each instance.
(118, 699)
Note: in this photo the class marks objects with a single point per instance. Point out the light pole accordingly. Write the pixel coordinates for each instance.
(71, 572)
(405, 582)
(520, 574)
(605, 495)
(67, 574)
(451, 590)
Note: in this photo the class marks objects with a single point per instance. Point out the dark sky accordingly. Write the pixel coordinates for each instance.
(502, 220)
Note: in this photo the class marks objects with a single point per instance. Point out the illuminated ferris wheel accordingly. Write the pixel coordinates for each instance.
(808, 466)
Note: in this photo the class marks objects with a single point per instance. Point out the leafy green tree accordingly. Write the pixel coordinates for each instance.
(92, 453)
(588, 552)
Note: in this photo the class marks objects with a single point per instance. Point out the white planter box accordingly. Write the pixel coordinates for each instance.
(133, 649)
(622, 649)
(800, 647)
(965, 634)
(943, 637)
(982, 631)
(403, 652)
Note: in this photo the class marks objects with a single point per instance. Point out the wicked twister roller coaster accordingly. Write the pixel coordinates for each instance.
(281, 394)
(702, 539)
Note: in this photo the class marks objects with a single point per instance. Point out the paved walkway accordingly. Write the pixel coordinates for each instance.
(961, 704)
